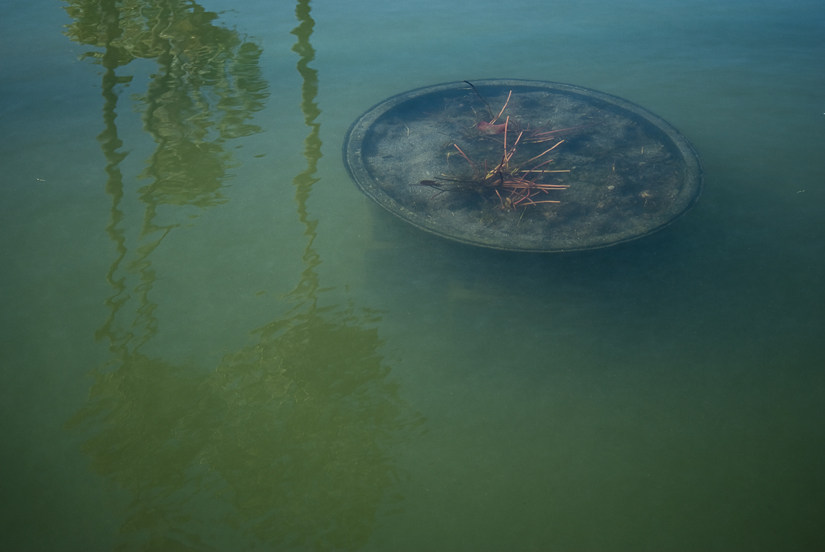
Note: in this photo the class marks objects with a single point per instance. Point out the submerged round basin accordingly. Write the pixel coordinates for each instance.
(523, 165)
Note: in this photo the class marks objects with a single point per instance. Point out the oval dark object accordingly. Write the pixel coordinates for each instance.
(616, 172)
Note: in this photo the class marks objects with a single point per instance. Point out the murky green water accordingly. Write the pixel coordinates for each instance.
(212, 341)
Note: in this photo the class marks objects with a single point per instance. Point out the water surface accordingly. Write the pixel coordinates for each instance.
(212, 341)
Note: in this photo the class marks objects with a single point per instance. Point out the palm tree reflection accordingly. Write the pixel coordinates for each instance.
(206, 87)
(287, 442)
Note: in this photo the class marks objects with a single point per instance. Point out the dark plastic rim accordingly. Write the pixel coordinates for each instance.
(359, 173)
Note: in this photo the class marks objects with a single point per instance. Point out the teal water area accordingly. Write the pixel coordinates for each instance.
(211, 340)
